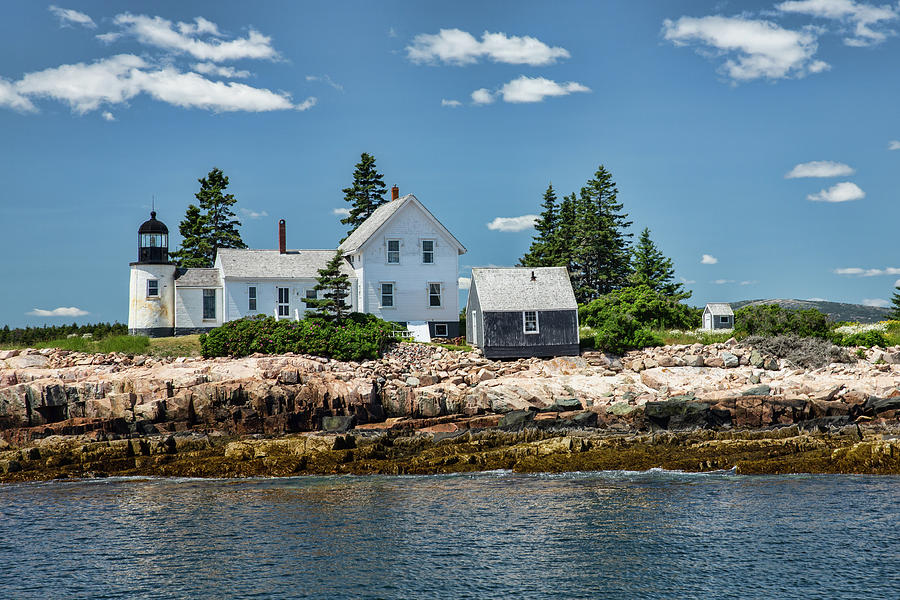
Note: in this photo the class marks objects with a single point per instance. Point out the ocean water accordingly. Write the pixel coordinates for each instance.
(488, 535)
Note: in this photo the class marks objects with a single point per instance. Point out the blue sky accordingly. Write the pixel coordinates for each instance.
(753, 139)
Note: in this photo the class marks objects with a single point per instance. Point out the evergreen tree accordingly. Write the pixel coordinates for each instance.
(564, 237)
(653, 269)
(336, 286)
(602, 252)
(210, 226)
(365, 194)
(895, 304)
(543, 251)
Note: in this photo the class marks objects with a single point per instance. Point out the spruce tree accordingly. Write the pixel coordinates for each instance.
(210, 226)
(365, 194)
(543, 251)
(653, 269)
(564, 237)
(895, 304)
(336, 286)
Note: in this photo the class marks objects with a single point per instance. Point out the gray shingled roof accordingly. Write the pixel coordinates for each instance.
(378, 218)
(271, 264)
(205, 278)
(512, 288)
(722, 309)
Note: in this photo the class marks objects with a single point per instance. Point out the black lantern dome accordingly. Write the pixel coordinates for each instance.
(153, 241)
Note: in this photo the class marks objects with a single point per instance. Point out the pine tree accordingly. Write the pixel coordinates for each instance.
(365, 194)
(895, 303)
(653, 269)
(564, 237)
(336, 286)
(210, 226)
(543, 251)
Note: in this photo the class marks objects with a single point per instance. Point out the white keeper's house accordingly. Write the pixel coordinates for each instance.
(403, 266)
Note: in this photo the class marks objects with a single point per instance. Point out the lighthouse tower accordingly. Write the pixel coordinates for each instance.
(151, 302)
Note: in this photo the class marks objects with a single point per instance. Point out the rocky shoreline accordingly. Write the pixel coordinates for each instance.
(424, 409)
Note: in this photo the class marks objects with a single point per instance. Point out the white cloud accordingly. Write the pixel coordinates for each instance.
(465, 283)
(62, 311)
(687, 281)
(749, 282)
(252, 214)
(820, 168)
(512, 223)
(118, 79)
(878, 302)
(109, 37)
(708, 259)
(894, 145)
(392, 33)
(11, 98)
(867, 272)
(535, 89)
(68, 17)
(897, 284)
(185, 38)
(482, 96)
(341, 212)
(753, 49)
(450, 103)
(862, 16)
(816, 300)
(840, 192)
(107, 116)
(457, 47)
(307, 104)
(326, 79)
(208, 68)
(722, 281)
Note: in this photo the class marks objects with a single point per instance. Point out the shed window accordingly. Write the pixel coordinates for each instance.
(723, 319)
(393, 252)
(530, 321)
(209, 304)
(440, 330)
(251, 298)
(428, 252)
(153, 288)
(387, 295)
(434, 295)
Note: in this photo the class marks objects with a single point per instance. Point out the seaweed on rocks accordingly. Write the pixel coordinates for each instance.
(809, 353)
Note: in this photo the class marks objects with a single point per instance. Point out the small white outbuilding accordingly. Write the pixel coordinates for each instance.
(718, 315)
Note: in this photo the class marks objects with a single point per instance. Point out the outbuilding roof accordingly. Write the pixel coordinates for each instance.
(524, 288)
(205, 278)
(720, 309)
(271, 264)
(380, 216)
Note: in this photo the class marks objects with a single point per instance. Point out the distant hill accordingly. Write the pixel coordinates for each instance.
(836, 311)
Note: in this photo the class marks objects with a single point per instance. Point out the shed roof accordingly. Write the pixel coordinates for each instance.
(720, 309)
(512, 288)
(205, 278)
(382, 215)
(271, 264)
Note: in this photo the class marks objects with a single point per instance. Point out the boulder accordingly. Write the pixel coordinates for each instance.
(516, 419)
(759, 390)
(677, 413)
(338, 423)
(729, 360)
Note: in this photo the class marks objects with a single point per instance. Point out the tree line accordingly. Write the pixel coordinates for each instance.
(26, 336)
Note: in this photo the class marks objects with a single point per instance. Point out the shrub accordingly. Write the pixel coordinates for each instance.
(772, 320)
(357, 337)
(650, 309)
(807, 352)
(865, 338)
(620, 333)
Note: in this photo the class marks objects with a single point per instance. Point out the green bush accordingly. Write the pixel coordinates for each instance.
(865, 338)
(649, 308)
(621, 332)
(355, 338)
(769, 320)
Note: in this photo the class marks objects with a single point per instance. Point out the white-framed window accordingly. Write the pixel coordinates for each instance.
(530, 321)
(723, 319)
(284, 301)
(153, 288)
(427, 252)
(440, 330)
(251, 297)
(434, 295)
(209, 305)
(393, 252)
(311, 294)
(387, 295)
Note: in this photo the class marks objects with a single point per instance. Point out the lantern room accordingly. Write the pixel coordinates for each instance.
(153, 241)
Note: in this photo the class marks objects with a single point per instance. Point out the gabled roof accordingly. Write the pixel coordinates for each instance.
(271, 264)
(512, 288)
(720, 309)
(205, 278)
(382, 215)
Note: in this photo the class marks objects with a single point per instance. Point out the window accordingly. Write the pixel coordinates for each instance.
(428, 252)
(434, 295)
(311, 294)
(723, 319)
(153, 288)
(251, 298)
(284, 301)
(387, 295)
(440, 330)
(209, 304)
(393, 252)
(530, 321)
(154, 240)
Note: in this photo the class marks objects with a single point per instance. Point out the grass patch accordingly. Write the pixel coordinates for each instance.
(173, 347)
(892, 334)
(680, 338)
(126, 344)
(454, 347)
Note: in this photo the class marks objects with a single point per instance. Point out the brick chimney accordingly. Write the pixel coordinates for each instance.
(395, 192)
(282, 248)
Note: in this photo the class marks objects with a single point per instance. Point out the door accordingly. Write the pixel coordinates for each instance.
(707, 321)
(284, 301)
(474, 340)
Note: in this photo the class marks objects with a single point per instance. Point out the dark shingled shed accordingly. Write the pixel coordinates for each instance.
(518, 312)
